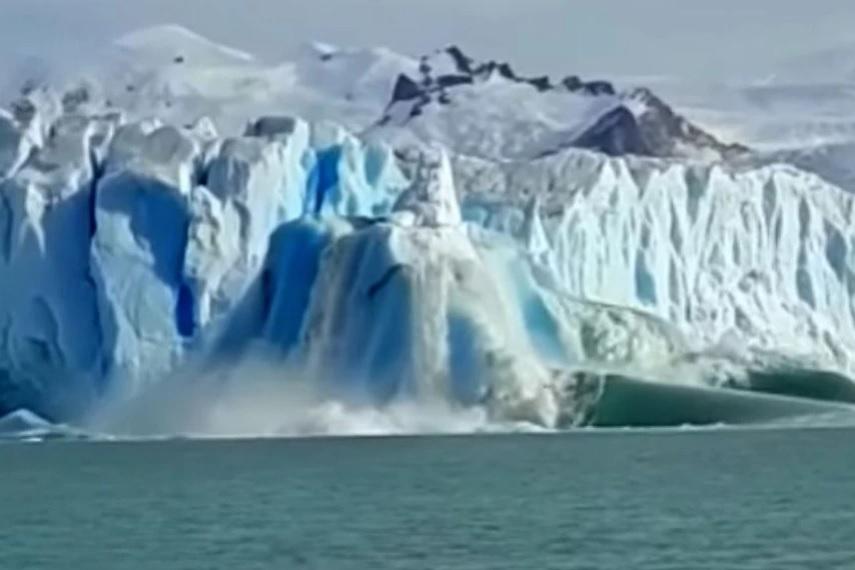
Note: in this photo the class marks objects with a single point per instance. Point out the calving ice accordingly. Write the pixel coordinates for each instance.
(592, 258)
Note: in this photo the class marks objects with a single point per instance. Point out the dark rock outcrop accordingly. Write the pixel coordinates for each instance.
(616, 133)
(643, 125)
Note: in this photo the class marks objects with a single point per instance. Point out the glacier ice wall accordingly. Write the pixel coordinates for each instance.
(126, 247)
(133, 252)
(49, 331)
(760, 258)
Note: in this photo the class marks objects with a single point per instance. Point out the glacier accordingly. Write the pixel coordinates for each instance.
(160, 276)
(134, 250)
(759, 258)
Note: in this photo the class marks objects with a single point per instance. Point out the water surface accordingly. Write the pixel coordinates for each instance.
(695, 500)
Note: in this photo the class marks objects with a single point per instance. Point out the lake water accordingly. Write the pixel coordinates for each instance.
(675, 500)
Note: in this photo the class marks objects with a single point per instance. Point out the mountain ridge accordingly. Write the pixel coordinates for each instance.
(174, 73)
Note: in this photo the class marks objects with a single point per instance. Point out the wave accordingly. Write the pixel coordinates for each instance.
(262, 400)
(629, 402)
(24, 425)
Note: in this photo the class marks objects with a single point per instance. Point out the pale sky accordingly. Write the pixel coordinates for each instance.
(684, 38)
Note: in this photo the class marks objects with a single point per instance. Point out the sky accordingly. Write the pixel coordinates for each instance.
(680, 38)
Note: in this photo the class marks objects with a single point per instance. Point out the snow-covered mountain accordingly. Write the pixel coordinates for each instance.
(791, 118)
(487, 110)
(484, 109)
(181, 252)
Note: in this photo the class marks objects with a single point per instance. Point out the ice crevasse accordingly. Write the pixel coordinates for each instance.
(128, 250)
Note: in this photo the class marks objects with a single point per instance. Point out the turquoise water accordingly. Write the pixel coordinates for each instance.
(695, 500)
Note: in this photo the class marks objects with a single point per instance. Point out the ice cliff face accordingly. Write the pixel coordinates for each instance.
(123, 243)
(760, 258)
(131, 249)
(143, 253)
